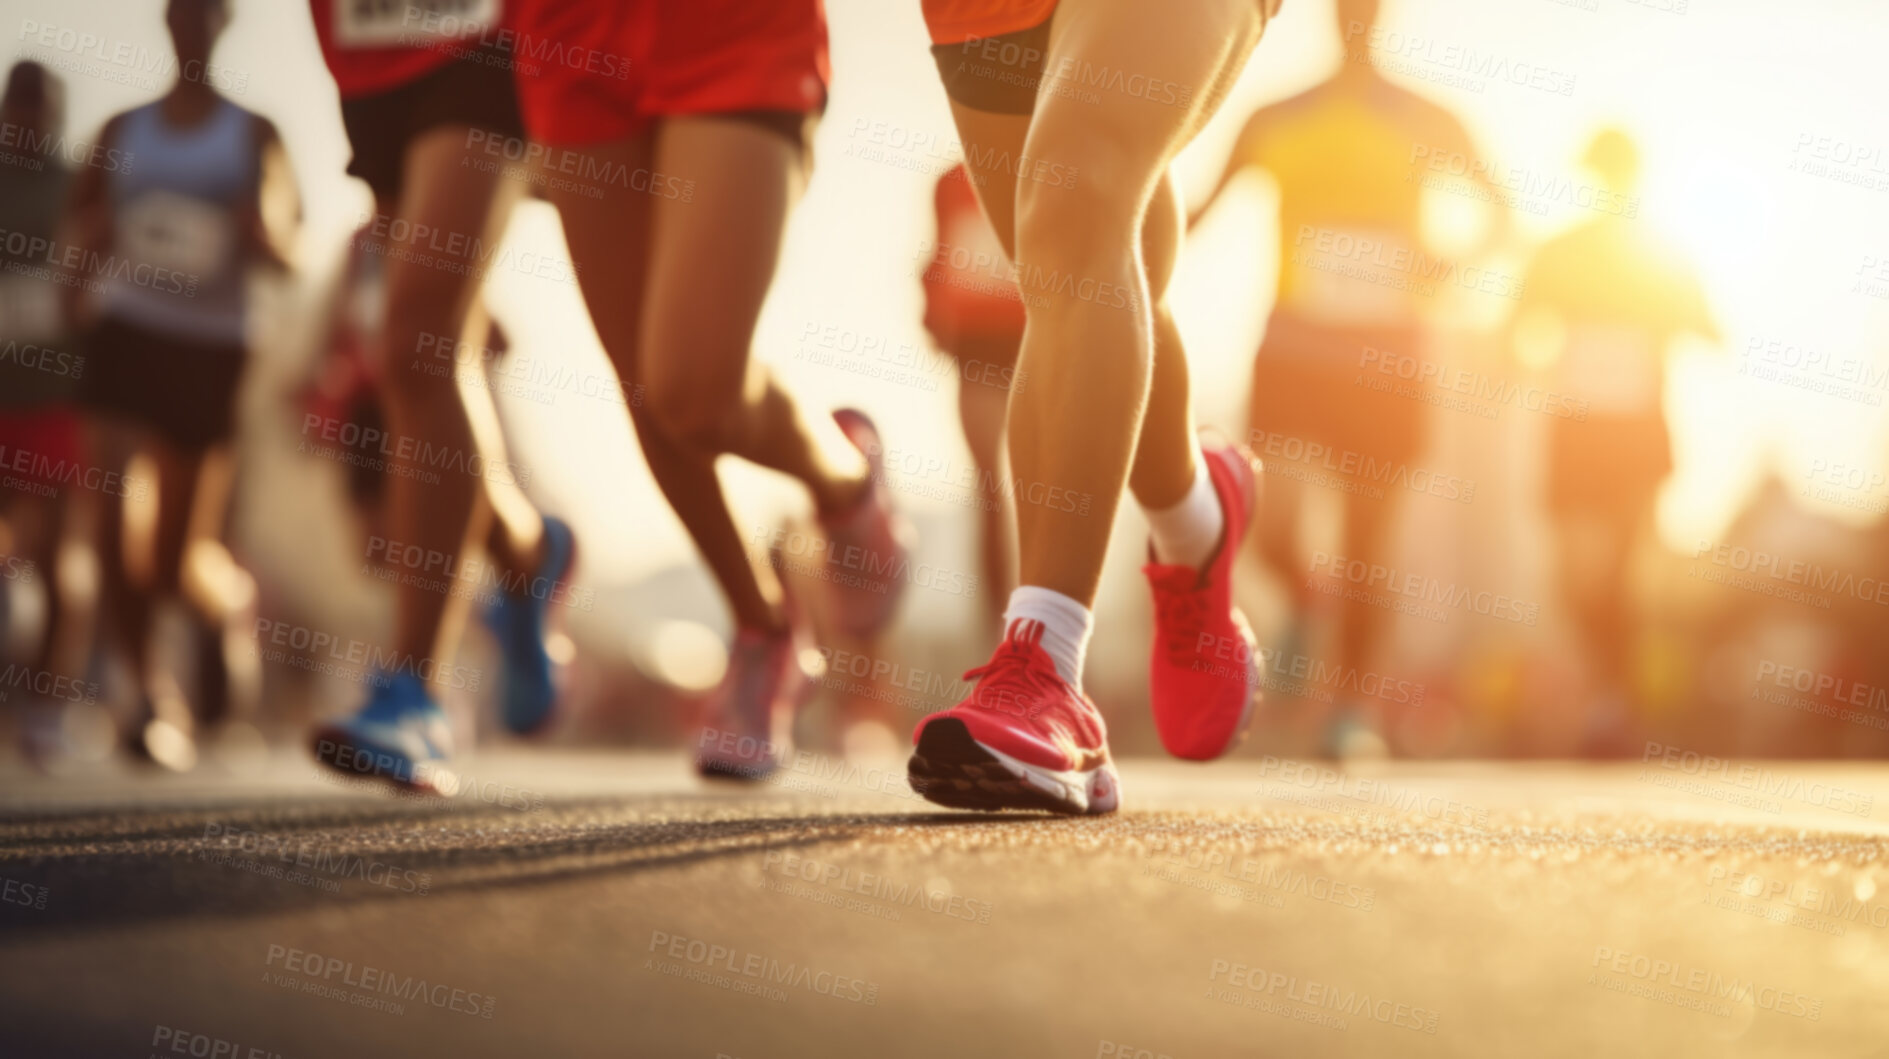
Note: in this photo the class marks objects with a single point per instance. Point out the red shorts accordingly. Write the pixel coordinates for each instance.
(43, 446)
(956, 21)
(620, 64)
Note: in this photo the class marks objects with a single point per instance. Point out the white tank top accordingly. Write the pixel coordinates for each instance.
(176, 263)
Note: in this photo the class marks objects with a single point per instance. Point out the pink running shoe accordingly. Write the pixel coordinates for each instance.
(868, 545)
(747, 724)
(1023, 739)
(1204, 675)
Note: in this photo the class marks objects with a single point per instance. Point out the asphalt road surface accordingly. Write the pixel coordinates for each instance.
(613, 905)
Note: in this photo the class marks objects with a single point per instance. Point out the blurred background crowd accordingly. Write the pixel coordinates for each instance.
(1562, 351)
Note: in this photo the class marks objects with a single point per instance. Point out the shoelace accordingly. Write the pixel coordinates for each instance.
(1018, 667)
(1183, 615)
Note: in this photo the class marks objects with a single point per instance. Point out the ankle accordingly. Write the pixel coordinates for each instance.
(1061, 624)
(1190, 531)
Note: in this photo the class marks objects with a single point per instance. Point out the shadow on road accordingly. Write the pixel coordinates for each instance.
(112, 869)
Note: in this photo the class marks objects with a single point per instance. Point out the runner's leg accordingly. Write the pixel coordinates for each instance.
(447, 511)
(714, 259)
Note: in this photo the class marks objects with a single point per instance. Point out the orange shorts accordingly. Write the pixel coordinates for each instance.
(596, 70)
(956, 21)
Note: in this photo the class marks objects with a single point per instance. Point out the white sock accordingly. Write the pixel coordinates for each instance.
(1185, 534)
(1066, 627)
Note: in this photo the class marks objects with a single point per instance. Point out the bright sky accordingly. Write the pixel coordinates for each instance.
(1725, 99)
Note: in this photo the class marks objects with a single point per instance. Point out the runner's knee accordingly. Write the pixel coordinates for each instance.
(1092, 223)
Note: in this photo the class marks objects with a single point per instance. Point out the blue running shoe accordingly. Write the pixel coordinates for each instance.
(528, 688)
(400, 736)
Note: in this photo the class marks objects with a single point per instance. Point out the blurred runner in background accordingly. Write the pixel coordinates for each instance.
(46, 517)
(981, 329)
(168, 242)
(1345, 157)
(1600, 307)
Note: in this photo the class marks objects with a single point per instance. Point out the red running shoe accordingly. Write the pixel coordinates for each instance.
(868, 545)
(1204, 675)
(1023, 739)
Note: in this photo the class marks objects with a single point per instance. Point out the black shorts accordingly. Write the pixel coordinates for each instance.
(998, 75)
(184, 389)
(474, 90)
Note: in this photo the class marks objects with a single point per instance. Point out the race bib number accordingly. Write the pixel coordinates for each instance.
(410, 23)
(177, 232)
(1612, 368)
